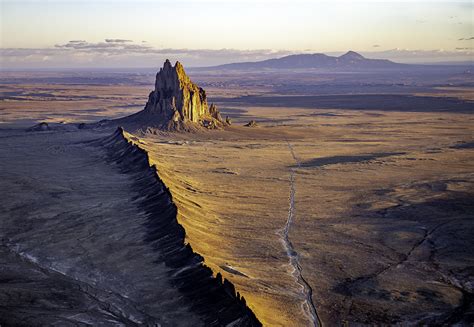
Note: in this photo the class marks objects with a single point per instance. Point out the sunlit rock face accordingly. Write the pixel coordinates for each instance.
(177, 103)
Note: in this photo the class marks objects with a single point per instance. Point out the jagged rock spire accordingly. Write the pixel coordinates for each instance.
(176, 104)
(176, 101)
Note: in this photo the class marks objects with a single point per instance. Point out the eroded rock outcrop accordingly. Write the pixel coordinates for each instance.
(41, 127)
(176, 104)
(251, 123)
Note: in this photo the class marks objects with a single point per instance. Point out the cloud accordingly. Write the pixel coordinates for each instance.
(376, 46)
(117, 41)
(109, 46)
(467, 39)
(127, 48)
(80, 53)
(422, 56)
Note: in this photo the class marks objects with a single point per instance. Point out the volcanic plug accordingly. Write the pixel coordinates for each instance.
(176, 104)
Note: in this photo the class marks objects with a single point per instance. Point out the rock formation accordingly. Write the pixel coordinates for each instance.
(251, 123)
(214, 299)
(41, 127)
(176, 104)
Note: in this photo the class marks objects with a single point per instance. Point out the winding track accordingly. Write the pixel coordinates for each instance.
(308, 304)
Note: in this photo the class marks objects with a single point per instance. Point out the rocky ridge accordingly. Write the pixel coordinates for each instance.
(213, 298)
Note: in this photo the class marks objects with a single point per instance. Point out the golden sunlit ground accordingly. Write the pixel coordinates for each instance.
(352, 168)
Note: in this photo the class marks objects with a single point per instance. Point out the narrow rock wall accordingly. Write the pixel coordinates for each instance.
(211, 297)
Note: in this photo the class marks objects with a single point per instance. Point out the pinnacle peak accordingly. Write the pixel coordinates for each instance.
(167, 64)
(178, 66)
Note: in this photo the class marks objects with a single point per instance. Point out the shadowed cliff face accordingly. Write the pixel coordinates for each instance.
(89, 236)
(72, 240)
(212, 298)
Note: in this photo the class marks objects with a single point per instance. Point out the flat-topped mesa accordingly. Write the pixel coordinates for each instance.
(177, 103)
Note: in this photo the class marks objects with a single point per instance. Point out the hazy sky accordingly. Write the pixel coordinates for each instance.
(39, 32)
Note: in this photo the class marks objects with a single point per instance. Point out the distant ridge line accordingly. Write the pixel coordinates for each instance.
(349, 60)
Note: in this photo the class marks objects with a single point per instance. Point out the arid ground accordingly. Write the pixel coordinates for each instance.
(349, 203)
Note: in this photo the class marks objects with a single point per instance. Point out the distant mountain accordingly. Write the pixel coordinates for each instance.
(348, 61)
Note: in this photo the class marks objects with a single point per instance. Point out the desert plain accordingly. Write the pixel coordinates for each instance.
(349, 202)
